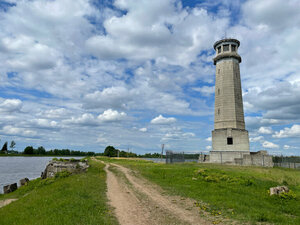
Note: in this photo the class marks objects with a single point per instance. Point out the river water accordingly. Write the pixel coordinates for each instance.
(13, 169)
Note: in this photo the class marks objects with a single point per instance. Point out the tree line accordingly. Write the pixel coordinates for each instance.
(29, 150)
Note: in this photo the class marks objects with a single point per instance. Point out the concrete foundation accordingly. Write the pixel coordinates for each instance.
(226, 157)
(239, 140)
(243, 158)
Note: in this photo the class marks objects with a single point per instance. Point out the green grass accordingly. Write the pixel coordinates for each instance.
(239, 193)
(76, 199)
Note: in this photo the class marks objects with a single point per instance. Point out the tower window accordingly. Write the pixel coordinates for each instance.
(218, 91)
(219, 49)
(218, 71)
(225, 48)
(229, 141)
(233, 48)
(218, 111)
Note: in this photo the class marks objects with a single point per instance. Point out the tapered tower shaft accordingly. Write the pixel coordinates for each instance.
(228, 92)
(230, 140)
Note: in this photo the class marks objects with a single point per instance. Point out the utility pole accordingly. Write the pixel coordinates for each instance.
(162, 150)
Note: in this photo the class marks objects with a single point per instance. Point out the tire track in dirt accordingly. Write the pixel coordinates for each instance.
(137, 201)
(124, 202)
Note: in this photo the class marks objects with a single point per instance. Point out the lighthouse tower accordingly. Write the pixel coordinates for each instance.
(230, 140)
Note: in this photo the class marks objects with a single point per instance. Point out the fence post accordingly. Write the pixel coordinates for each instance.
(221, 158)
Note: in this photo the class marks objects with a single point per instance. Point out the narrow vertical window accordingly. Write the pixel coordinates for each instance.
(233, 48)
(219, 49)
(218, 71)
(218, 111)
(218, 91)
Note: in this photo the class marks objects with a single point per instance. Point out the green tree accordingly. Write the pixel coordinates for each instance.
(12, 145)
(28, 150)
(4, 148)
(110, 151)
(41, 150)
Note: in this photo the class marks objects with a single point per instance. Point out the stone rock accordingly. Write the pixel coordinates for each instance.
(10, 188)
(278, 190)
(24, 181)
(74, 166)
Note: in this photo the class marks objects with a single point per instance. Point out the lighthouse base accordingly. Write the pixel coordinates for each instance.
(229, 144)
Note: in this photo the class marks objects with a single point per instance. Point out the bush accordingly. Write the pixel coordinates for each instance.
(287, 195)
(28, 150)
(110, 151)
(62, 174)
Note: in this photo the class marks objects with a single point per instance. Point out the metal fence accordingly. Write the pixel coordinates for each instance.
(292, 165)
(174, 157)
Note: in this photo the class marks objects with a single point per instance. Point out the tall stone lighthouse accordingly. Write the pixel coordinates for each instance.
(230, 140)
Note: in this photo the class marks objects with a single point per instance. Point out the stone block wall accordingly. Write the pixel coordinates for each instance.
(258, 159)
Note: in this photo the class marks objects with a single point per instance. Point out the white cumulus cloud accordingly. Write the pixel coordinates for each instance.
(294, 131)
(11, 105)
(265, 130)
(17, 131)
(144, 129)
(111, 116)
(256, 139)
(268, 144)
(163, 120)
(205, 90)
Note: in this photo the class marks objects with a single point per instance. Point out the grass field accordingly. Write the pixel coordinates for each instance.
(239, 193)
(76, 199)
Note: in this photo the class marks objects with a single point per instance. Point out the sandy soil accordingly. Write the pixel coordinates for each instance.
(6, 202)
(137, 201)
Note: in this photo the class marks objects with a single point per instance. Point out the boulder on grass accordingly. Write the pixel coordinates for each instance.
(24, 181)
(278, 190)
(10, 188)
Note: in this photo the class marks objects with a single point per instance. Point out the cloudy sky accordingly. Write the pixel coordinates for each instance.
(85, 74)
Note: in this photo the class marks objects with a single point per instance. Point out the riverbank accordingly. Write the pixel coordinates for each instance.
(34, 155)
(76, 199)
(12, 169)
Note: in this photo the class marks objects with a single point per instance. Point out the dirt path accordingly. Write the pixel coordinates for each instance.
(137, 201)
(6, 202)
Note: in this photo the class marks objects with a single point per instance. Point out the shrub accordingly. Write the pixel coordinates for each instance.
(287, 195)
(62, 174)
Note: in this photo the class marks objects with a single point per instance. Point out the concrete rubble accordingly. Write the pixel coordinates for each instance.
(10, 188)
(278, 190)
(72, 166)
(24, 181)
